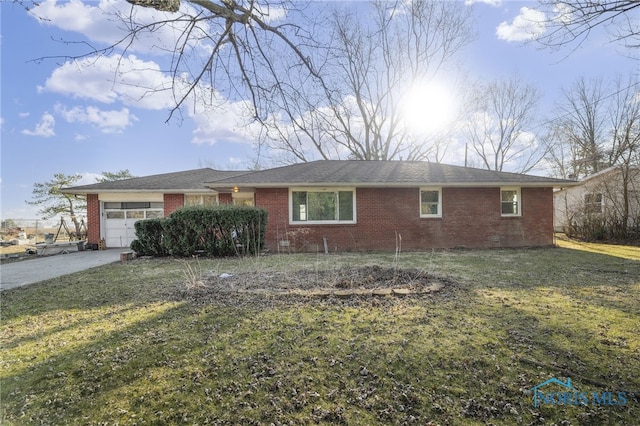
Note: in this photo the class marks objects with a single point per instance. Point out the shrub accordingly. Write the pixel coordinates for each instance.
(212, 231)
(150, 238)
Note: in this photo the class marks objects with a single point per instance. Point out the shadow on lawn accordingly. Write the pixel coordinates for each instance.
(273, 365)
(515, 319)
(474, 357)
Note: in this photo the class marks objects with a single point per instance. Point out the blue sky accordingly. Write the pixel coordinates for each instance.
(55, 119)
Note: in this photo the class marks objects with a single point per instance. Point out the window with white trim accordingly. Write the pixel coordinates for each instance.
(593, 203)
(510, 202)
(430, 202)
(133, 210)
(322, 206)
(201, 200)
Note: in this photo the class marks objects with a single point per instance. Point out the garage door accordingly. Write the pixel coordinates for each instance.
(119, 230)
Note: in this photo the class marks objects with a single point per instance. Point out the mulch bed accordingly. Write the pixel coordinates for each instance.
(342, 286)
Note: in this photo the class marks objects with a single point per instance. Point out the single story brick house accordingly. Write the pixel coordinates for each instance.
(338, 205)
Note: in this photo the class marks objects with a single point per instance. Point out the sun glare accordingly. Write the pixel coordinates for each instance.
(427, 108)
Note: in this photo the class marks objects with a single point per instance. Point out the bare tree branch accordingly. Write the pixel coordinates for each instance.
(497, 130)
(368, 67)
(318, 90)
(571, 21)
(579, 131)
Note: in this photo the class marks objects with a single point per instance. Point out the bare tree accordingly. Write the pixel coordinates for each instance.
(323, 81)
(220, 50)
(624, 116)
(625, 151)
(497, 131)
(571, 21)
(593, 133)
(578, 133)
(376, 55)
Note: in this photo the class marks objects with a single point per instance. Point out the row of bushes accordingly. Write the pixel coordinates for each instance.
(212, 231)
(599, 227)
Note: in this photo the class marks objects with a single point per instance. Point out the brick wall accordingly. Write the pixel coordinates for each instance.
(172, 202)
(275, 201)
(93, 219)
(390, 216)
(225, 198)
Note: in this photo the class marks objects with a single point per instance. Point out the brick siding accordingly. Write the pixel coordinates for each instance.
(390, 217)
(93, 219)
(172, 202)
(225, 199)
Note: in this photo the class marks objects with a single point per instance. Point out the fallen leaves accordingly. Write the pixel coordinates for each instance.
(344, 286)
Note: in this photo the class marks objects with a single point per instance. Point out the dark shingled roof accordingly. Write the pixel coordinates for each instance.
(321, 173)
(382, 173)
(188, 181)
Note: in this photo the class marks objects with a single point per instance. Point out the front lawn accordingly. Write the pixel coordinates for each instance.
(159, 342)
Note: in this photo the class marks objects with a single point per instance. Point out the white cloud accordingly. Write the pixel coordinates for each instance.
(564, 14)
(107, 121)
(88, 178)
(71, 16)
(44, 128)
(270, 13)
(228, 122)
(528, 25)
(24, 114)
(108, 79)
(88, 79)
(106, 22)
(489, 2)
(131, 80)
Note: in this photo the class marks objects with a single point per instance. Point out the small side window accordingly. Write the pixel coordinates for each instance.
(510, 201)
(430, 202)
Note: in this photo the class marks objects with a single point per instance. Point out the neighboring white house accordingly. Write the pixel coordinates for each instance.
(600, 196)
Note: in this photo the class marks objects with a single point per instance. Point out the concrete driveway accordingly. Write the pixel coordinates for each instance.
(16, 274)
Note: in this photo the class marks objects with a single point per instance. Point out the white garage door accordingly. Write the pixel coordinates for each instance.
(119, 230)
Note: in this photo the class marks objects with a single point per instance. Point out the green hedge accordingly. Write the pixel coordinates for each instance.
(150, 242)
(212, 231)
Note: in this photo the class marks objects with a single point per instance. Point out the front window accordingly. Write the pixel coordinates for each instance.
(323, 206)
(201, 200)
(135, 210)
(243, 199)
(430, 202)
(593, 203)
(511, 204)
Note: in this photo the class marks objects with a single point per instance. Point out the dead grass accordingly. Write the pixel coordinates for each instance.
(618, 250)
(129, 344)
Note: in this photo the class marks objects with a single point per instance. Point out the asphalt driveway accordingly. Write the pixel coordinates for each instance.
(42, 268)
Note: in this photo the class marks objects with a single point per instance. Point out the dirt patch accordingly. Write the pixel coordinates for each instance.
(341, 284)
